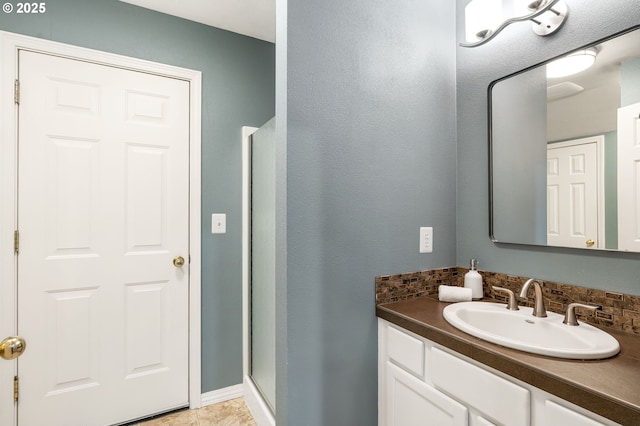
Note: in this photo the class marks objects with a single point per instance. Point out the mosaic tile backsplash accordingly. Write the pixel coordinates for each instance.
(619, 311)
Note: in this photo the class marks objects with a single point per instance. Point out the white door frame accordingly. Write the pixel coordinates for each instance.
(599, 141)
(10, 44)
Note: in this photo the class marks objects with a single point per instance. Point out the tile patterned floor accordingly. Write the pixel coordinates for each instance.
(229, 413)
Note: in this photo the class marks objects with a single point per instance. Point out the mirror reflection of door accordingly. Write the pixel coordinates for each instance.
(629, 178)
(575, 202)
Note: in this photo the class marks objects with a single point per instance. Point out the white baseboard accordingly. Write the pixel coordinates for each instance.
(221, 395)
(259, 409)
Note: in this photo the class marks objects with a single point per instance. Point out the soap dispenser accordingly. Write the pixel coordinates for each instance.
(473, 280)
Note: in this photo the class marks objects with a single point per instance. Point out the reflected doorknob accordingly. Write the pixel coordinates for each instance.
(590, 243)
(12, 347)
(178, 261)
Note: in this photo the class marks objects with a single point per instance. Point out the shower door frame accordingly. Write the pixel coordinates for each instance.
(253, 398)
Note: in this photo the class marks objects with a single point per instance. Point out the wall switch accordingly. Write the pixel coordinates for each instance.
(218, 223)
(426, 239)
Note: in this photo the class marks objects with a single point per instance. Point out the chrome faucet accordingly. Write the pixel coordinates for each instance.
(538, 305)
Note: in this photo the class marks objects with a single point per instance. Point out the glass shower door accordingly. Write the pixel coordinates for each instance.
(262, 283)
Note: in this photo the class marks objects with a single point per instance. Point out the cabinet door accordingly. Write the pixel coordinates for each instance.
(411, 402)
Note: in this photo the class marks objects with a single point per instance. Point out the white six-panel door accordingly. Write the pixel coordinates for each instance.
(629, 178)
(573, 195)
(103, 202)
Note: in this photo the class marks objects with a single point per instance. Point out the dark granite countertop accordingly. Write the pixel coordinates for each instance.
(609, 387)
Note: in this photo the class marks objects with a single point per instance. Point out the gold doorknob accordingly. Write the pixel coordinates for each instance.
(12, 347)
(178, 261)
(590, 243)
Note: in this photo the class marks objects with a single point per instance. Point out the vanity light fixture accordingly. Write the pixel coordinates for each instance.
(484, 19)
(572, 63)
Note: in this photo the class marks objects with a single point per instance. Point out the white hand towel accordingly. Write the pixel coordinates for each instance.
(448, 293)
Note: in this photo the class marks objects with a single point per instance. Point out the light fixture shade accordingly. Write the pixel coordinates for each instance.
(571, 64)
(521, 7)
(481, 15)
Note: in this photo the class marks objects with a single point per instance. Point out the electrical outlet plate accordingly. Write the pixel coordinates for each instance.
(426, 239)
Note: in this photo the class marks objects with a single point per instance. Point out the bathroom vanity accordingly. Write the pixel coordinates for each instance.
(432, 373)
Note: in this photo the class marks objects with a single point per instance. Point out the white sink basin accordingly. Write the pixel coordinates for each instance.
(494, 323)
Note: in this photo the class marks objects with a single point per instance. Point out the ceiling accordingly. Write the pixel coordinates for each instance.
(253, 18)
(593, 110)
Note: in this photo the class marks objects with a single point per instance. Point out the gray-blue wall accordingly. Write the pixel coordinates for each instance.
(611, 189)
(630, 82)
(515, 49)
(238, 88)
(367, 107)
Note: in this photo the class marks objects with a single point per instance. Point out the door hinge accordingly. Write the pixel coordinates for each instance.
(16, 388)
(16, 241)
(16, 92)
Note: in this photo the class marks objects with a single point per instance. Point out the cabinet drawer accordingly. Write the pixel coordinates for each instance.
(481, 421)
(556, 414)
(406, 351)
(495, 397)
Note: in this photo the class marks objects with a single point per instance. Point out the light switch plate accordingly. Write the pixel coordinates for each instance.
(218, 223)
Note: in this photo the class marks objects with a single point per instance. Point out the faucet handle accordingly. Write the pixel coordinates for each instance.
(570, 315)
(512, 305)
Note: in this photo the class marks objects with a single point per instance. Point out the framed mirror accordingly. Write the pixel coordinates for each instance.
(565, 150)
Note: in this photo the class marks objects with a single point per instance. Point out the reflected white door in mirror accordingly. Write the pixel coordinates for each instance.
(575, 193)
(629, 178)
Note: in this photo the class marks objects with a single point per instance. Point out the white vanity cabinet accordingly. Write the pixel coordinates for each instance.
(423, 383)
